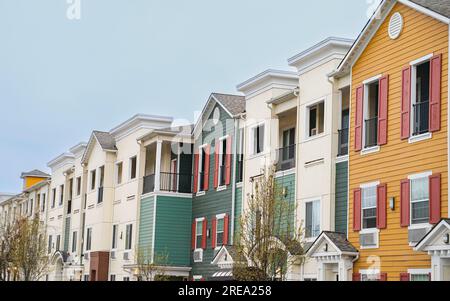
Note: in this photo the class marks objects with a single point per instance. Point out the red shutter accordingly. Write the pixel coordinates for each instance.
(206, 174)
(205, 227)
(357, 210)
(195, 173)
(435, 93)
(435, 198)
(194, 224)
(406, 103)
(383, 109)
(356, 277)
(383, 277)
(225, 229)
(228, 163)
(404, 203)
(404, 277)
(381, 206)
(214, 233)
(216, 164)
(359, 117)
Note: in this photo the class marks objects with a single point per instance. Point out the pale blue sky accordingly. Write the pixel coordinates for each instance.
(60, 79)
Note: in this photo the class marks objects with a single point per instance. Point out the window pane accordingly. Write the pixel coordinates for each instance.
(370, 218)
(420, 212)
(312, 222)
(220, 224)
(420, 277)
(369, 197)
(419, 189)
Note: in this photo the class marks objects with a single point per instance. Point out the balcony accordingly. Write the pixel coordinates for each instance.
(285, 158)
(343, 142)
(420, 124)
(169, 182)
(371, 132)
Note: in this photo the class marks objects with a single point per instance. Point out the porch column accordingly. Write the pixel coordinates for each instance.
(158, 165)
(321, 271)
(436, 268)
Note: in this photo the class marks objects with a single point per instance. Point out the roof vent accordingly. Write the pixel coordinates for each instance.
(395, 26)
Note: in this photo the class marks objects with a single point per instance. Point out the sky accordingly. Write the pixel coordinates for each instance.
(66, 71)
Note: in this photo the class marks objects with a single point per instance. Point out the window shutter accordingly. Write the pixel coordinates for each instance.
(216, 164)
(383, 110)
(359, 117)
(225, 230)
(435, 198)
(435, 93)
(206, 174)
(404, 276)
(204, 233)
(194, 224)
(405, 203)
(381, 206)
(228, 163)
(357, 210)
(214, 233)
(383, 277)
(356, 277)
(196, 157)
(406, 103)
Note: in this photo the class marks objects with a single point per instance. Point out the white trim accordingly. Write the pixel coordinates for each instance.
(370, 272)
(284, 173)
(221, 188)
(316, 104)
(372, 79)
(419, 226)
(313, 200)
(197, 277)
(418, 272)
(370, 150)
(421, 137)
(220, 216)
(342, 159)
(369, 185)
(420, 175)
(252, 128)
(425, 11)
(200, 193)
(200, 219)
(129, 168)
(421, 60)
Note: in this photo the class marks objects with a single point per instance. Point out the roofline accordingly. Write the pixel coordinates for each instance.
(37, 185)
(60, 159)
(418, 246)
(264, 75)
(426, 11)
(34, 175)
(74, 149)
(144, 117)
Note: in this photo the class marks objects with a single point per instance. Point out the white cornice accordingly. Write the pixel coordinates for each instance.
(78, 149)
(140, 121)
(65, 158)
(268, 79)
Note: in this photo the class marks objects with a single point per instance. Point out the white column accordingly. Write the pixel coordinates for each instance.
(436, 268)
(158, 165)
(321, 272)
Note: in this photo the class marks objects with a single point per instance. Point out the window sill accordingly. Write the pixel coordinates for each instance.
(201, 193)
(340, 159)
(421, 137)
(369, 231)
(312, 138)
(370, 150)
(221, 188)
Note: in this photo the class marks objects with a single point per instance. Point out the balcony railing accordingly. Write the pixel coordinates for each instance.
(371, 126)
(343, 142)
(286, 158)
(421, 111)
(169, 182)
(100, 195)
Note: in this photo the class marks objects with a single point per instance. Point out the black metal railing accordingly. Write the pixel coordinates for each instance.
(69, 206)
(149, 184)
(100, 195)
(343, 142)
(286, 158)
(421, 117)
(169, 182)
(371, 133)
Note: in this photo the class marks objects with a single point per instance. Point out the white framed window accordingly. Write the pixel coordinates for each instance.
(315, 119)
(133, 168)
(312, 218)
(78, 183)
(201, 168)
(257, 140)
(101, 176)
(199, 232)
(419, 274)
(115, 233)
(420, 95)
(53, 197)
(92, 177)
(369, 206)
(420, 199)
(222, 149)
(119, 172)
(74, 241)
(128, 237)
(61, 195)
(220, 229)
(370, 275)
(370, 112)
(88, 239)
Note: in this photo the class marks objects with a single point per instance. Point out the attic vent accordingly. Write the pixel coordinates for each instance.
(395, 26)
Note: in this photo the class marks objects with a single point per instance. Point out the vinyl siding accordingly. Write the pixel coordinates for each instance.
(146, 218)
(288, 182)
(341, 197)
(238, 210)
(421, 36)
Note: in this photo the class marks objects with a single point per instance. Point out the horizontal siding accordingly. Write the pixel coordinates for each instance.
(421, 36)
(341, 197)
(238, 210)
(146, 224)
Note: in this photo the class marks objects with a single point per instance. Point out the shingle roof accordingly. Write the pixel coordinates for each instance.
(340, 240)
(235, 104)
(35, 173)
(441, 7)
(106, 140)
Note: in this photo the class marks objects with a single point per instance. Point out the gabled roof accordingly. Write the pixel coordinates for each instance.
(339, 241)
(35, 173)
(443, 225)
(104, 139)
(438, 9)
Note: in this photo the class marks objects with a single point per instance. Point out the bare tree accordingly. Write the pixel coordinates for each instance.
(7, 237)
(149, 267)
(29, 251)
(268, 242)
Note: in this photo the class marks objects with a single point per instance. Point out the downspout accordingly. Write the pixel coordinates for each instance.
(233, 189)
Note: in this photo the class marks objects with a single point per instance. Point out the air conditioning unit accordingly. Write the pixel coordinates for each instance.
(126, 256)
(86, 256)
(368, 240)
(113, 254)
(198, 255)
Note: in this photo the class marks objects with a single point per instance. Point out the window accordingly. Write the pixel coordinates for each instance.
(420, 98)
(420, 201)
(198, 234)
(133, 165)
(92, 179)
(53, 197)
(312, 222)
(119, 170)
(369, 207)
(128, 237)
(114, 237)
(61, 195)
(78, 186)
(258, 139)
(30, 213)
(370, 275)
(88, 239)
(220, 231)
(43, 202)
(202, 169)
(370, 107)
(126, 278)
(50, 244)
(316, 119)
(240, 157)
(101, 179)
(112, 277)
(58, 242)
(70, 189)
(222, 160)
(74, 241)
(86, 277)
(419, 277)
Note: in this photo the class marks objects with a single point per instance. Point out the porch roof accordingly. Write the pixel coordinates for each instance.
(338, 240)
(429, 240)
